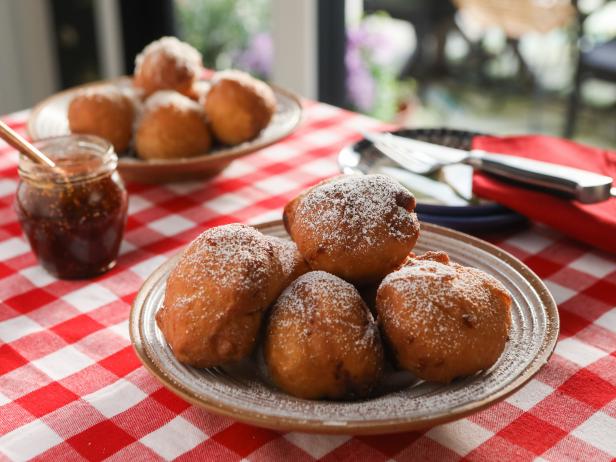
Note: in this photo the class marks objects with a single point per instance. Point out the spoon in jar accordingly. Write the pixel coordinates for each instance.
(19, 142)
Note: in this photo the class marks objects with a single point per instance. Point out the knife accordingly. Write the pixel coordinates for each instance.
(422, 157)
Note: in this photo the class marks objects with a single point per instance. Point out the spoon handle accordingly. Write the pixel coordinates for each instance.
(18, 142)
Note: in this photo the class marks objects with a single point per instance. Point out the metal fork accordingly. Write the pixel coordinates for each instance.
(426, 158)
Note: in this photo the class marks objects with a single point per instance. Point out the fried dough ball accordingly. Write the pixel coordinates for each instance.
(199, 90)
(216, 295)
(107, 112)
(293, 264)
(167, 64)
(238, 106)
(171, 126)
(321, 340)
(443, 320)
(359, 228)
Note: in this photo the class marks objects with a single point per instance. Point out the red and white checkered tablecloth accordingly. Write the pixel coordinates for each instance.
(71, 387)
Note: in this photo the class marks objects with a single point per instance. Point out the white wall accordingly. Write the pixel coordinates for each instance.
(294, 32)
(27, 60)
(109, 38)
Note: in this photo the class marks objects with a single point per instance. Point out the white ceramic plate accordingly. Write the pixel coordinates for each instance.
(402, 403)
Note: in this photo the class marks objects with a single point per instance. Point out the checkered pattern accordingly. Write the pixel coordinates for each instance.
(71, 387)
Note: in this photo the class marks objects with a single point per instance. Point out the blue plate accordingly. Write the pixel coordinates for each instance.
(462, 210)
(476, 224)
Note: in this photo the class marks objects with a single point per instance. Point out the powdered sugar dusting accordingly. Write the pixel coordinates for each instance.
(433, 294)
(170, 48)
(170, 98)
(232, 257)
(427, 269)
(322, 298)
(246, 80)
(358, 212)
(287, 253)
(110, 92)
(230, 74)
(200, 89)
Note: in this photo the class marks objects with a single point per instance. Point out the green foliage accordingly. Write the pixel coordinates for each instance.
(386, 97)
(219, 28)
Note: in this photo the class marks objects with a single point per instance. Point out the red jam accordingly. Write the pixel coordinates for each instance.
(73, 216)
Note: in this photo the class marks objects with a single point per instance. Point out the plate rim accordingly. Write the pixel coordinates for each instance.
(367, 427)
(156, 163)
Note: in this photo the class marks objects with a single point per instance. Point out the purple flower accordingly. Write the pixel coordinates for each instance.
(258, 57)
(379, 41)
(359, 81)
(361, 88)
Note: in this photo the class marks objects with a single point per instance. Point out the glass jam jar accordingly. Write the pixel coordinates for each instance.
(73, 215)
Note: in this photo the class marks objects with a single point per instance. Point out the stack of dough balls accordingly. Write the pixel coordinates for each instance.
(351, 235)
(169, 113)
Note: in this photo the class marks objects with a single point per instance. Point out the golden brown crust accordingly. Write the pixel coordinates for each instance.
(293, 264)
(216, 295)
(321, 340)
(359, 228)
(433, 255)
(167, 64)
(238, 107)
(443, 320)
(199, 90)
(105, 112)
(172, 126)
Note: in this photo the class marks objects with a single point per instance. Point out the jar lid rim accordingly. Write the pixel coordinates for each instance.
(67, 144)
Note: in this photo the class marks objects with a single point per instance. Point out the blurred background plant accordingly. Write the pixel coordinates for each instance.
(377, 48)
(431, 62)
(541, 66)
(229, 33)
(235, 33)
